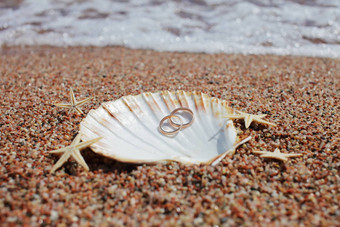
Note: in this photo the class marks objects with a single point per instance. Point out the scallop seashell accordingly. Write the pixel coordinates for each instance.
(129, 129)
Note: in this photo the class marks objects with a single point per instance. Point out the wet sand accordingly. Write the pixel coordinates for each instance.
(299, 94)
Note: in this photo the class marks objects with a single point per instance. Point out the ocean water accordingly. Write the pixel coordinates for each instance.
(283, 27)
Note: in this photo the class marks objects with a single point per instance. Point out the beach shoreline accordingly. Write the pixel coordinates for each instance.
(299, 94)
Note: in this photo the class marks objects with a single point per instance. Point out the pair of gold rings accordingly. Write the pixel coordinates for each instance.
(176, 122)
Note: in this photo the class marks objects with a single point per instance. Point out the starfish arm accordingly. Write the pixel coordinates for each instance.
(261, 115)
(77, 156)
(247, 120)
(280, 157)
(71, 109)
(233, 116)
(66, 105)
(61, 161)
(76, 140)
(82, 102)
(73, 99)
(87, 143)
(277, 151)
(78, 110)
(293, 155)
(60, 151)
(240, 112)
(264, 122)
(260, 152)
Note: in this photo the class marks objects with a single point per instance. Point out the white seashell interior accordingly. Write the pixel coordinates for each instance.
(129, 129)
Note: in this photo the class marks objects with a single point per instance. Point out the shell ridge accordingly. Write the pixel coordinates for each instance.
(122, 157)
(151, 102)
(187, 133)
(158, 119)
(103, 146)
(231, 135)
(217, 135)
(219, 110)
(132, 133)
(198, 146)
(197, 98)
(183, 101)
(183, 98)
(168, 104)
(132, 104)
(197, 125)
(206, 102)
(105, 126)
(109, 130)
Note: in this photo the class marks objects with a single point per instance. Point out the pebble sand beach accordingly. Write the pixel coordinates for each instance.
(299, 94)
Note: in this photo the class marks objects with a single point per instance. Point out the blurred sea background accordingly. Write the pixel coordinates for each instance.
(282, 27)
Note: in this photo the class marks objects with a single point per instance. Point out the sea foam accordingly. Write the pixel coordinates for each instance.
(309, 28)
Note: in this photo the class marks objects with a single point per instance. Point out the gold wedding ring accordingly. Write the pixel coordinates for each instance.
(177, 127)
(176, 124)
(175, 113)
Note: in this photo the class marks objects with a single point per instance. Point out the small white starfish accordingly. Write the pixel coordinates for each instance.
(249, 118)
(276, 155)
(74, 105)
(74, 151)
